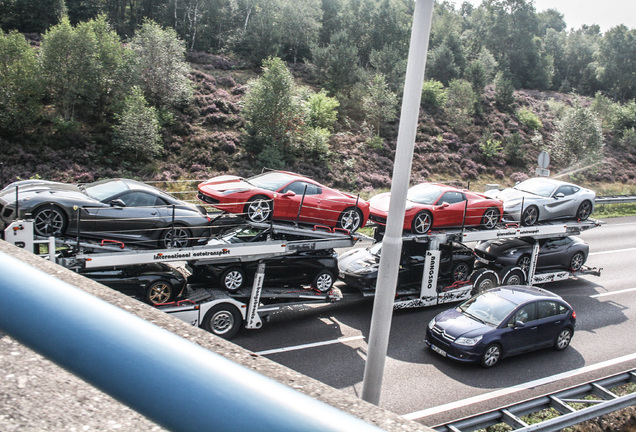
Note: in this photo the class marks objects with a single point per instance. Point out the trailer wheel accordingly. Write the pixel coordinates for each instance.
(223, 320)
(512, 276)
(484, 279)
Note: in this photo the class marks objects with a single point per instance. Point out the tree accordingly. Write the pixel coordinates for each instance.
(68, 66)
(31, 16)
(261, 33)
(504, 92)
(272, 114)
(301, 29)
(159, 62)
(380, 103)
(617, 56)
(337, 63)
(460, 102)
(578, 137)
(20, 88)
(323, 110)
(80, 66)
(137, 129)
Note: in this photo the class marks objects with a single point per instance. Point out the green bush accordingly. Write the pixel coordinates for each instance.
(504, 92)
(490, 148)
(138, 128)
(433, 94)
(529, 119)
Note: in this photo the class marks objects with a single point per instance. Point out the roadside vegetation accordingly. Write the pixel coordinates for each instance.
(166, 91)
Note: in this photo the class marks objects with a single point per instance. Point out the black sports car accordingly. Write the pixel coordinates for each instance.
(115, 209)
(359, 267)
(318, 268)
(155, 283)
(568, 253)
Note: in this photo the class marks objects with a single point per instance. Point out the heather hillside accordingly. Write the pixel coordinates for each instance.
(207, 136)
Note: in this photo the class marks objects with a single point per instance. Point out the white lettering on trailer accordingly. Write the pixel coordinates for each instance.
(253, 320)
(431, 269)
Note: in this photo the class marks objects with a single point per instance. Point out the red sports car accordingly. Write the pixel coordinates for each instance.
(285, 196)
(431, 205)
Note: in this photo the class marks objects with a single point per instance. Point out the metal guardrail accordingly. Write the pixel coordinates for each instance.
(615, 199)
(604, 402)
(98, 341)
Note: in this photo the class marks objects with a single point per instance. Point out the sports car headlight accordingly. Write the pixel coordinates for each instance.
(468, 341)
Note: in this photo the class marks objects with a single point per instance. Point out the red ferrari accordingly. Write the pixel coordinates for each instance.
(284, 196)
(431, 205)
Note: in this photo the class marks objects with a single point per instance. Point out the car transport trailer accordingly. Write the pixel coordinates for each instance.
(224, 313)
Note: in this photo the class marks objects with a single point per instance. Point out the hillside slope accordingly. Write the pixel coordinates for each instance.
(206, 140)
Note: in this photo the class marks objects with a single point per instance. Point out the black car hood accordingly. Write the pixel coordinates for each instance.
(44, 189)
(455, 324)
(499, 247)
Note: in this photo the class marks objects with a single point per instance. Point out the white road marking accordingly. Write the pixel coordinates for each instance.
(612, 251)
(503, 392)
(311, 345)
(613, 292)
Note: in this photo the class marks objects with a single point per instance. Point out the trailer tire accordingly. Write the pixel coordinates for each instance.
(223, 320)
(512, 275)
(484, 279)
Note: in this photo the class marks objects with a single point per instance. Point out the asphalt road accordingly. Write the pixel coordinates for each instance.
(329, 343)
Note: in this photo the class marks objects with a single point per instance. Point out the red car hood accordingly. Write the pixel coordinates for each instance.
(225, 182)
(381, 202)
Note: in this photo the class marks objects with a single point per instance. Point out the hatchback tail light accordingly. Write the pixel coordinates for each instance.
(573, 314)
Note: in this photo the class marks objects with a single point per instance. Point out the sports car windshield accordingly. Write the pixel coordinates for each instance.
(424, 194)
(270, 181)
(101, 191)
(487, 308)
(537, 187)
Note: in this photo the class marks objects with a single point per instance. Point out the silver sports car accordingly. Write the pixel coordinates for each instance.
(542, 198)
(115, 209)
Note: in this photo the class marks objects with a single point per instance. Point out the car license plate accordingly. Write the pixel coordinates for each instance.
(438, 350)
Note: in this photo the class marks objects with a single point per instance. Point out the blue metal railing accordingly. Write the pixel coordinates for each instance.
(174, 382)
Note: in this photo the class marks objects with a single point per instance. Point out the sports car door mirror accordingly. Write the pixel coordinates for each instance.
(560, 195)
(117, 203)
(289, 194)
(444, 205)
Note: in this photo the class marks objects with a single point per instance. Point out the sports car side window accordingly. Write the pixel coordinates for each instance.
(139, 199)
(298, 187)
(565, 190)
(452, 197)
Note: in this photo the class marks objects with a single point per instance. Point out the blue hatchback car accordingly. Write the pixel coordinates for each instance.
(502, 322)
